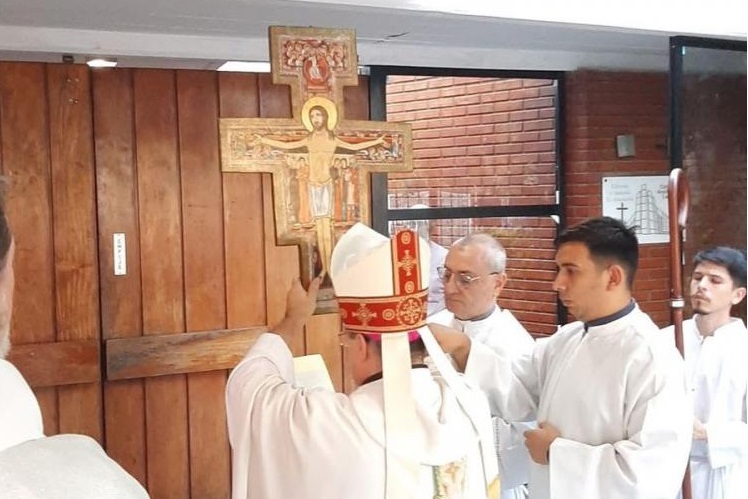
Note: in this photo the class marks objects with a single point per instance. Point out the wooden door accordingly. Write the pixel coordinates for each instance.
(139, 360)
(46, 152)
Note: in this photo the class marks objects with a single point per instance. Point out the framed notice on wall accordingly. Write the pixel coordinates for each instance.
(639, 202)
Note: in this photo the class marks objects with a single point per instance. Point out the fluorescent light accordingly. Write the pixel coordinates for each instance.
(245, 67)
(102, 63)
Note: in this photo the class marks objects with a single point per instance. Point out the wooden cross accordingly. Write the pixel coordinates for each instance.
(319, 160)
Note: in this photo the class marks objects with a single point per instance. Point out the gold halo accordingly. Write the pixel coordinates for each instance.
(327, 104)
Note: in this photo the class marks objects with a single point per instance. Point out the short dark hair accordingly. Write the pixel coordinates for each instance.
(606, 239)
(731, 259)
(5, 236)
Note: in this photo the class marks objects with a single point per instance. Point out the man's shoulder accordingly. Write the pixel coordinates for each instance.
(72, 465)
(507, 319)
(650, 344)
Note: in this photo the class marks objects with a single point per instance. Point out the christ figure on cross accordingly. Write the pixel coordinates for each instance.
(319, 116)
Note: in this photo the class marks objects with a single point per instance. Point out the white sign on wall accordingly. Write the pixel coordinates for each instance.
(640, 202)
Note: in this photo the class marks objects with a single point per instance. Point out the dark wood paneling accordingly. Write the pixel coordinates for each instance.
(117, 201)
(25, 154)
(274, 100)
(205, 291)
(357, 100)
(159, 355)
(61, 363)
(243, 215)
(76, 266)
(281, 262)
(162, 278)
(121, 314)
(201, 257)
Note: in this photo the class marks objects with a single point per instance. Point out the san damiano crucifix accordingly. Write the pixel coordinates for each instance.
(320, 161)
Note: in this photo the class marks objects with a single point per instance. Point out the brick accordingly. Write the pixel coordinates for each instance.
(525, 115)
(506, 106)
(507, 84)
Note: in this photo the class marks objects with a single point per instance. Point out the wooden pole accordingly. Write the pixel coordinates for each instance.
(678, 197)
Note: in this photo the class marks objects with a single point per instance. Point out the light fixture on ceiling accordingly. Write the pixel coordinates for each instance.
(101, 63)
(245, 67)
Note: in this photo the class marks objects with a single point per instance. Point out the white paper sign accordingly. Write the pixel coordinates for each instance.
(640, 202)
(120, 253)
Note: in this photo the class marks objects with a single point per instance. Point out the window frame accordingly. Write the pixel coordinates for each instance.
(381, 214)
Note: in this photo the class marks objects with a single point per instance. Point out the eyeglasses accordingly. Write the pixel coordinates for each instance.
(463, 279)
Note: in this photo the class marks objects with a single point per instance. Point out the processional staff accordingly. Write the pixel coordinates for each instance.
(678, 197)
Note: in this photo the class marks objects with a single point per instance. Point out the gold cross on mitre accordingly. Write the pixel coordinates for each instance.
(319, 160)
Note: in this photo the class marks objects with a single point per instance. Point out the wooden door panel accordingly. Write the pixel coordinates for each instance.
(121, 313)
(243, 217)
(159, 208)
(74, 227)
(205, 290)
(25, 163)
(281, 262)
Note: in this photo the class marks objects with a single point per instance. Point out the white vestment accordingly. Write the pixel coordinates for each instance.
(290, 442)
(64, 467)
(503, 334)
(717, 367)
(615, 392)
(20, 415)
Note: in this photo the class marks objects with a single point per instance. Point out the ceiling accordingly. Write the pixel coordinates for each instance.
(438, 33)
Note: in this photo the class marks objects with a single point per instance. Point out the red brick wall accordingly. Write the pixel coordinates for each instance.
(484, 142)
(491, 142)
(491, 137)
(599, 106)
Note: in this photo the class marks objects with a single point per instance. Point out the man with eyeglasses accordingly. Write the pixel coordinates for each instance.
(609, 395)
(405, 432)
(473, 275)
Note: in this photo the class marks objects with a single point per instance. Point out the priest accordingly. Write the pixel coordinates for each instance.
(404, 432)
(473, 276)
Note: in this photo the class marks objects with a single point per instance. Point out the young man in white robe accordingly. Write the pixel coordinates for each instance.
(716, 351)
(404, 432)
(605, 390)
(33, 466)
(473, 275)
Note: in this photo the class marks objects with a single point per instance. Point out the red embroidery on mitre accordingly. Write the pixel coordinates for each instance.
(405, 310)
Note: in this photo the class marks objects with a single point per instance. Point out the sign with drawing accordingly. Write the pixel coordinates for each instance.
(640, 202)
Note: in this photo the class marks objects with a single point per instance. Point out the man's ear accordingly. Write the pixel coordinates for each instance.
(362, 347)
(737, 295)
(500, 283)
(616, 276)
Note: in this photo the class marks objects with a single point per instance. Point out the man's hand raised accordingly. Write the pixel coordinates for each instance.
(300, 305)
